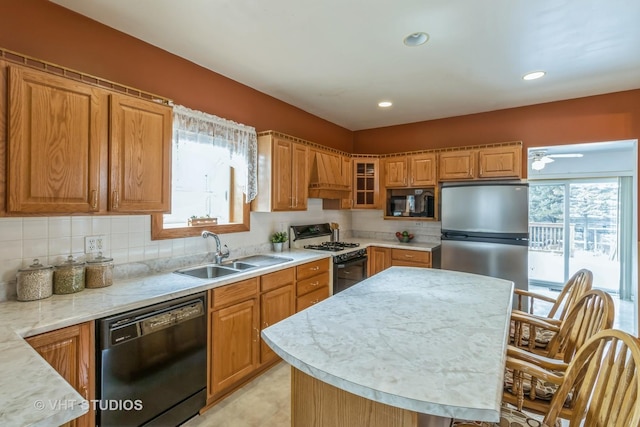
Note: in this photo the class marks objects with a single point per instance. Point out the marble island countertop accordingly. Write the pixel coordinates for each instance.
(33, 393)
(430, 341)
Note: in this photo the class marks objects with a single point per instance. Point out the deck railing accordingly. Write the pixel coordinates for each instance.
(549, 237)
(545, 236)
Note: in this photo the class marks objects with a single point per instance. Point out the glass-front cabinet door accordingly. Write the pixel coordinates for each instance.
(365, 179)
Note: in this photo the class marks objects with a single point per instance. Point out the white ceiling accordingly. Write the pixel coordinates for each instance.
(337, 59)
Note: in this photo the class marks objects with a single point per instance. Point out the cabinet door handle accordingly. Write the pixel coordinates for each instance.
(115, 200)
(94, 199)
(257, 334)
(85, 392)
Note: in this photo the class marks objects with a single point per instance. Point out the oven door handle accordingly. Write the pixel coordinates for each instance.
(351, 261)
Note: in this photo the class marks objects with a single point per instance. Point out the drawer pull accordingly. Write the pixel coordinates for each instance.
(315, 302)
(408, 256)
(316, 268)
(315, 283)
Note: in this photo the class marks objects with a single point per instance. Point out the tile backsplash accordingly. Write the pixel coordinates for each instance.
(128, 239)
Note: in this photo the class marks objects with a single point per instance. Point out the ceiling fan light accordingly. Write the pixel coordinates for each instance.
(537, 165)
(534, 75)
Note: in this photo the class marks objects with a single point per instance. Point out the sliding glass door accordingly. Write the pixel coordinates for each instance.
(576, 224)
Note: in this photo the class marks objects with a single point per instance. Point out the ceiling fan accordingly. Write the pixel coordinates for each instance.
(540, 158)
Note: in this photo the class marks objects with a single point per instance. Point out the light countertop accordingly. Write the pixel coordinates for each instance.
(395, 244)
(430, 341)
(33, 393)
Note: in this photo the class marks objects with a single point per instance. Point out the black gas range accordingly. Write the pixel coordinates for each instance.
(349, 260)
(342, 247)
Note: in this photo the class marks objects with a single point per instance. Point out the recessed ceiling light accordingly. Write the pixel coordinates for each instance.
(416, 39)
(534, 75)
(385, 104)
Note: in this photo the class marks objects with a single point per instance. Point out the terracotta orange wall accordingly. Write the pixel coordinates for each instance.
(46, 31)
(599, 118)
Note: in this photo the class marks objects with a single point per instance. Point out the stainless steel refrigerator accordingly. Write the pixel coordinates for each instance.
(485, 229)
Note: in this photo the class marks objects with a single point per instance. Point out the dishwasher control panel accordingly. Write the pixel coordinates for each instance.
(134, 324)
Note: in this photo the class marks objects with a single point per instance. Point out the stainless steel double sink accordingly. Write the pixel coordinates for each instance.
(214, 271)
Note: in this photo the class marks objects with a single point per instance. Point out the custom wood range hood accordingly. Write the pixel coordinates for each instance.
(326, 180)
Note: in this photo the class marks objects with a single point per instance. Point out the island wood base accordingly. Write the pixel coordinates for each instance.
(318, 404)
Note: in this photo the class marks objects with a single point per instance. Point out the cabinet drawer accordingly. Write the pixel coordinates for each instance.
(306, 301)
(312, 268)
(409, 255)
(403, 263)
(276, 279)
(307, 285)
(235, 292)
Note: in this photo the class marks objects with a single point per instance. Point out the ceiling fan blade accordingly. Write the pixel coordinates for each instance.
(565, 156)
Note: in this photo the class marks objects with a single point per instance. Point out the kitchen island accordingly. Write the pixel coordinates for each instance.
(406, 347)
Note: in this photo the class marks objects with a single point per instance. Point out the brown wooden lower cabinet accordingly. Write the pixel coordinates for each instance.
(410, 258)
(277, 302)
(71, 352)
(379, 259)
(382, 258)
(237, 314)
(233, 335)
(312, 284)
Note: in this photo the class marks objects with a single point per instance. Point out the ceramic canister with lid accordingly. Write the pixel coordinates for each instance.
(68, 277)
(34, 282)
(99, 272)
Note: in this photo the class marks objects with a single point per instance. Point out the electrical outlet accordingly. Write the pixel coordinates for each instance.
(418, 224)
(94, 244)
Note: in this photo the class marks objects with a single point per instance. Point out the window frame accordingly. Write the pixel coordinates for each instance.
(238, 205)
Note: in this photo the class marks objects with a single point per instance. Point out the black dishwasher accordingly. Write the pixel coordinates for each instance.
(152, 364)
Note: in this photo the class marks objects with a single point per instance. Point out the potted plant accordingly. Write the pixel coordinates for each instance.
(277, 239)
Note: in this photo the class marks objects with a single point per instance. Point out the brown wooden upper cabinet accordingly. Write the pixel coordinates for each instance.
(282, 174)
(63, 141)
(423, 170)
(139, 155)
(416, 170)
(347, 178)
(500, 162)
(491, 162)
(396, 172)
(457, 165)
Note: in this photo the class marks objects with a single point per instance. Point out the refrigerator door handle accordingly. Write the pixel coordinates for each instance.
(449, 234)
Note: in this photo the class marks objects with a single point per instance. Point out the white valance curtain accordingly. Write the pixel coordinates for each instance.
(240, 140)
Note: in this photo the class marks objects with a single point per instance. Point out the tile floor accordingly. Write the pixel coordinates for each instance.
(264, 402)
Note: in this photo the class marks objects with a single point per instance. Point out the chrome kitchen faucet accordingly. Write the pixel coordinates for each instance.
(220, 254)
